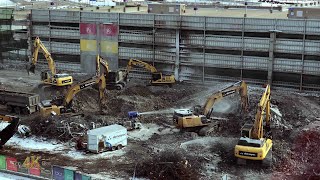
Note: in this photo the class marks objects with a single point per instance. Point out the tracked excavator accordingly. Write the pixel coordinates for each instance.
(157, 77)
(115, 79)
(255, 142)
(62, 105)
(51, 77)
(199, 119)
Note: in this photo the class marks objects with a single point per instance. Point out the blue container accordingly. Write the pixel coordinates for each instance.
(133, 114)
(58, 173)
(77, 176)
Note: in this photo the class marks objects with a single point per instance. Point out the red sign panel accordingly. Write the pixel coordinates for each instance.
(35, 171)
(88, 29)
(12, 164)
(108, 30)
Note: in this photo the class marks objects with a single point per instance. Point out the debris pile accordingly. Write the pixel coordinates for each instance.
(169, 165)
(63, 129)
(304, 159)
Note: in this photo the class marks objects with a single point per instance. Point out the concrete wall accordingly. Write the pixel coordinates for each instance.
(197, 49)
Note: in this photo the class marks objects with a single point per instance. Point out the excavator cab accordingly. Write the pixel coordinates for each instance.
(184, 118)
(47, 108)
(156, 76)
(45, 75)
(180, 113)
(116, 80)
(246, 130)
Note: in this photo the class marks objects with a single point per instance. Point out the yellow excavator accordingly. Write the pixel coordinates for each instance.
(62, 105)
(200, 118)
(48, 77)
(255, 142)
(115, 79)
(157, 77)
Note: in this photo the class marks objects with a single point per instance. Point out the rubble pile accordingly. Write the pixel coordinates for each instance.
(307, 153)
(148, 98)
(304, 154)
(169, 165)
(62, 128)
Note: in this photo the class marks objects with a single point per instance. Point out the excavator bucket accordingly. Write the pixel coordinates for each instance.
(9, 131)
(31, 68)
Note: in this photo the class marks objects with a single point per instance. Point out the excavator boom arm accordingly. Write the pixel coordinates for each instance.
(37, 46)
(240, 87)
(98, 79)
(102, 81)
(139, 63)
(263, 107)
(77, 88)
(104, 63)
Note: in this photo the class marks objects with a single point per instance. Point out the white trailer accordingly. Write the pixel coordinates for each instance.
(107, 138)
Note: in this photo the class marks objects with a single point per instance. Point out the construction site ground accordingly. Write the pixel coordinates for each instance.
(295, 129)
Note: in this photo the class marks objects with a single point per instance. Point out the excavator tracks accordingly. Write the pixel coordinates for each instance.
(267, 162)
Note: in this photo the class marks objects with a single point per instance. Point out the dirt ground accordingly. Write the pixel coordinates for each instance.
(296, 132)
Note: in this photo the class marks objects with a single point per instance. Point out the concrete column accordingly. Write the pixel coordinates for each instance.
(303, 54)
(98, 38)
(271, 55)
(30, 30)
(177, 62)
(272, 44)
